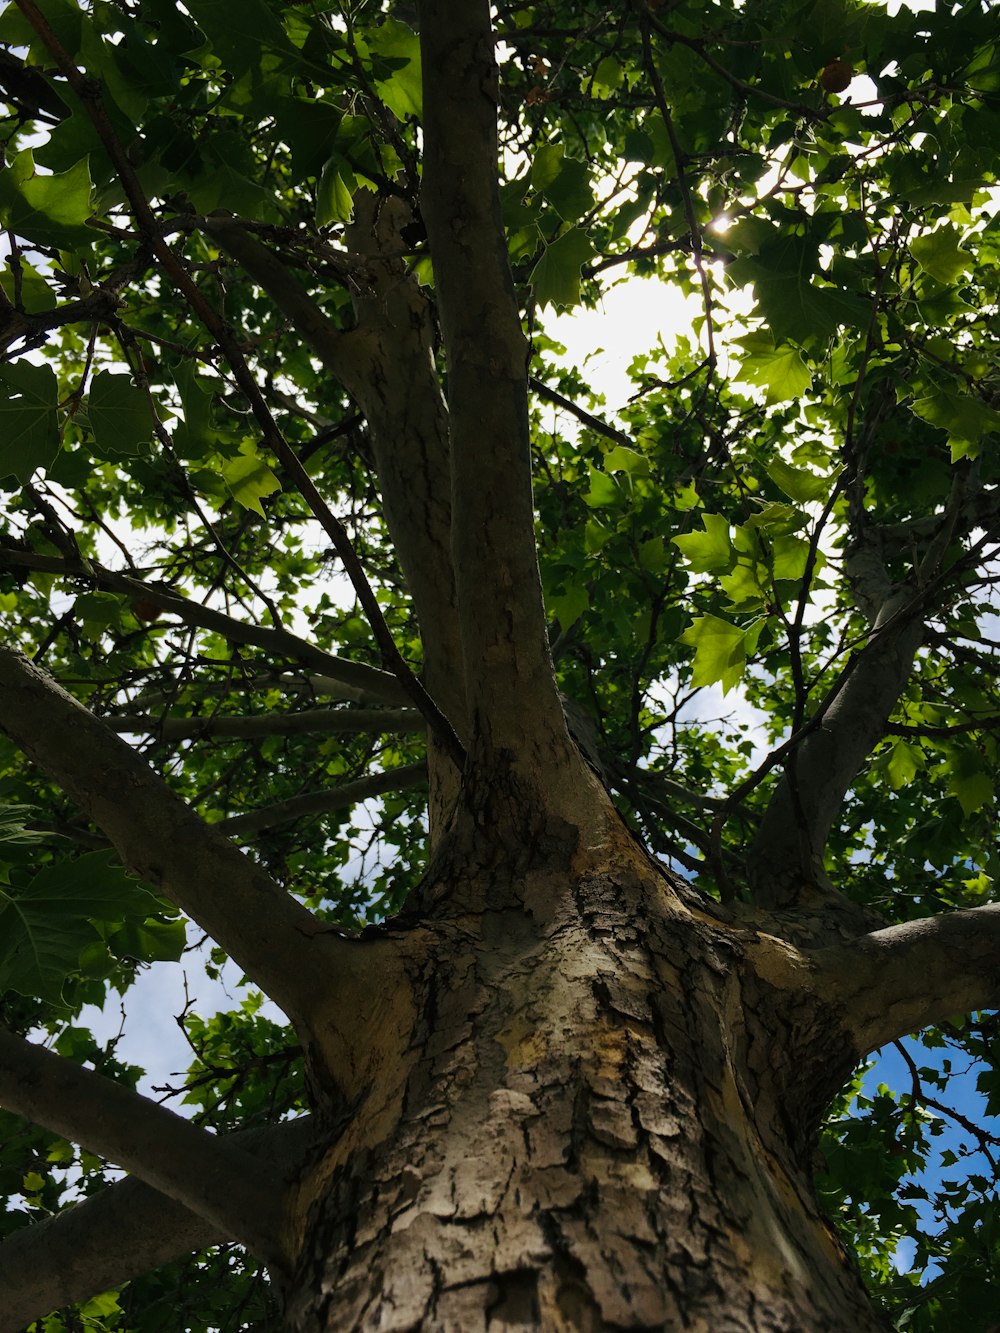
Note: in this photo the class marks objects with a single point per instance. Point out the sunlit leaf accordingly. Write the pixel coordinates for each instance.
(556, 276)
(720, 652)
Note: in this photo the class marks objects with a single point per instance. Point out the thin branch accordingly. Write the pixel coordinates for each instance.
(324, 802)
(376, 684)
(983, 1137)
(988, 722)
(596, 424)
(697, 45)
(206, 1174)
(680, 162)
(386, 364)
(126, 1230)
(100, 305)
(325, 721)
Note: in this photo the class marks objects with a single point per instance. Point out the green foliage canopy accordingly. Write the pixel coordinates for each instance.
(830, 421)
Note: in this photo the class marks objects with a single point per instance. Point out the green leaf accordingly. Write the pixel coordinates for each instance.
(903, 763)
(652, 555)
(97, 610)
(603, 489)
(940, 254)
(720, 653)
(780, 371)
(798, 483)
(789, 557)
(795, 306)
(556, 276)
(546, 165)
(569, 192)
(970, 782)
(608, 77)
(149, 940)
(777, 516)
(220, 185)
(62, 16)
(569, 606)
(35, 293)
(119, 414)
(29, 435)
(248, 479)
(49, 210)
(99, 1306)
(402, 92)
(46, 926)
(193, 437)
(12, 826)
(240, 40)
(966, 419)
(334, 201)
(709, 551)
(623, 459)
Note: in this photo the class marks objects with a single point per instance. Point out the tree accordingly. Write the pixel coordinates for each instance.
(277, 310)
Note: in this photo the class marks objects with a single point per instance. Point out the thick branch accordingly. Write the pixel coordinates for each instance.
(901, 979)
(319, 721)
(375, 684)
(324, 802)
(513, 703)
(206, 1174)
(787, 852)
(126, 1230)
(163, 841)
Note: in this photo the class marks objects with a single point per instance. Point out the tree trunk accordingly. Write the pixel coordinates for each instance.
(594, 1109)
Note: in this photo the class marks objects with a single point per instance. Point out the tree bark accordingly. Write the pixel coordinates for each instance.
(600, 1117)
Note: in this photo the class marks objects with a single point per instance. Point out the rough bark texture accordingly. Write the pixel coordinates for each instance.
(600, 1117)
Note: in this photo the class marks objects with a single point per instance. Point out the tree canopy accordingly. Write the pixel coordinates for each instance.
(768, 574)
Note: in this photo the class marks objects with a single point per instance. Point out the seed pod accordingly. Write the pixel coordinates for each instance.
(836, 76)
